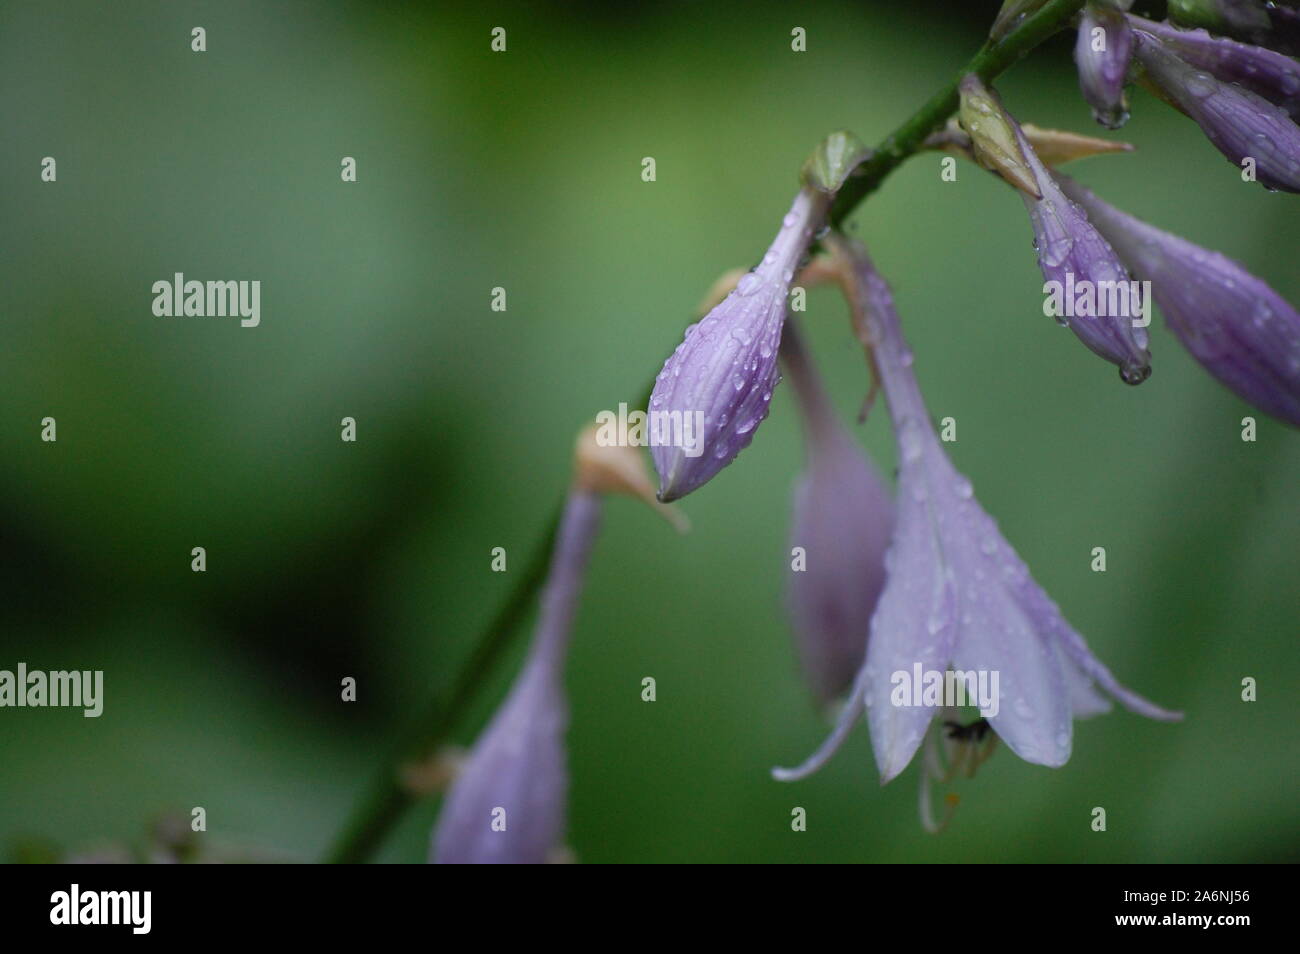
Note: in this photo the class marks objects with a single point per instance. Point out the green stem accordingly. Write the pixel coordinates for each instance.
(991, 61)
(388, 799)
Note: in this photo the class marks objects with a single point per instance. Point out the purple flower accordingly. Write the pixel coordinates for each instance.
(1087, 284)
(1102, 51)
(957, 597)
(716, 388)
(507, 805)
(1268, 74)
(1242, 125)
(843, 516)
(1240, 329)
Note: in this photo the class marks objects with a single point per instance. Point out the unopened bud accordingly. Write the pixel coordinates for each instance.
(993, 139)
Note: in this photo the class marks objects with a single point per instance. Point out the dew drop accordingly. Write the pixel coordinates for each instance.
(1200, 85)
(909, 439)
(1134, 374)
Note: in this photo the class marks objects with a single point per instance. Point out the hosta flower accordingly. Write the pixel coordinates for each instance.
(1268, 74)
(957, 596)
(842, 521)
(507, 805)
(1242, 125)
(718, 384)
(1234, 324)
(1102, 51)
(1087, 285)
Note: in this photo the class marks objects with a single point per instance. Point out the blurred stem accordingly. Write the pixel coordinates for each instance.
(388, 798)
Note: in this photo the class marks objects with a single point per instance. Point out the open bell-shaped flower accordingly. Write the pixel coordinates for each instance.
(1102, 51)
(1251, 131)
(957, 597)
(1241, 330)
(841, 526)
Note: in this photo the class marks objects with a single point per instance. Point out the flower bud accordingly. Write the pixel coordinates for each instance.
(833, 161)
(1053, 146)
(716, 388)
(841, 525)
(1241, 330)
(507, 805)
(1102, 51)
(1268, 74)
(993, 137)
(1241, 124)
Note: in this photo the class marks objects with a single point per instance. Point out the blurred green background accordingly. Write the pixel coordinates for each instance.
(522, 170)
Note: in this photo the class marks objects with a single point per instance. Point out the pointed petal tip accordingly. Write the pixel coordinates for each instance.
(788, 774)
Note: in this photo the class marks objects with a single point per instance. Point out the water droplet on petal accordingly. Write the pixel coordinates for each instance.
(909, 439)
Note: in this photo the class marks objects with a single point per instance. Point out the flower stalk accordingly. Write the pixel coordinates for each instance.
(387, 800)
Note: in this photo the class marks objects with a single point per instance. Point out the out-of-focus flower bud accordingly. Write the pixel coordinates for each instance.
(841, 526)
(1241, 330)
(507, 805)
(1242, 125)
(1264, 72)
(1102, 52)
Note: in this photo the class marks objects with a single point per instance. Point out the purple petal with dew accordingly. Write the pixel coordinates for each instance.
(1102, 52)
(1265, 73)
(1072, 253)
(721, 377)
(1241, 330)
(1240, 124)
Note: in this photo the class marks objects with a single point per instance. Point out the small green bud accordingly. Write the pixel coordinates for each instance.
(832, 161)
(993, 138)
